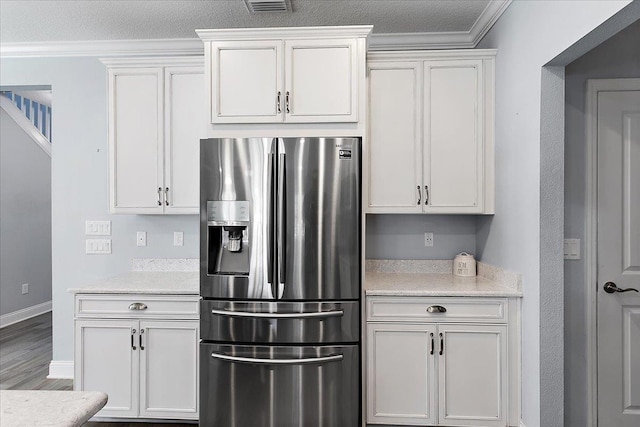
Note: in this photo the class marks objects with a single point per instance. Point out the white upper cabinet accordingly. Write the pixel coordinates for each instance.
(291, 75)
(451, 138)
(246, 82)
(156, 120)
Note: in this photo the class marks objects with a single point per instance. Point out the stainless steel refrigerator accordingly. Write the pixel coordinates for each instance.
(280, 282)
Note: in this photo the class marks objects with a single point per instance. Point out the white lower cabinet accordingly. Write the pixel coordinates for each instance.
(423, 371)
(147, 366)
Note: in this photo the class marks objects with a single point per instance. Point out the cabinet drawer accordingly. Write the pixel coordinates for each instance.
(404, 309)
(138, 306)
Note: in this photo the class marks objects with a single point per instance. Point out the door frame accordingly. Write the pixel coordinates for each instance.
(594, 87)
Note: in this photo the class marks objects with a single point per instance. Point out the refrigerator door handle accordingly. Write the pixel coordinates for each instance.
(270, 225)
(282, 223)
(315, 314)
(305, 361)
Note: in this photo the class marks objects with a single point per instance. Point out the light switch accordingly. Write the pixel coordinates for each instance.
(98, 246)
(141, 238)
(571, 248)
(97, 228)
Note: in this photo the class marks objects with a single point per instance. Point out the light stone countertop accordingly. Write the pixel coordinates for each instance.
(434, 278)
(40, 408)
(434, 285)
(145, 282)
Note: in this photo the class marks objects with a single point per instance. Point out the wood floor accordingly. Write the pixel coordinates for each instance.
(25, 353)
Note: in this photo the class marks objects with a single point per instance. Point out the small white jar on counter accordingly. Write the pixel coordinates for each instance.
(464, 265)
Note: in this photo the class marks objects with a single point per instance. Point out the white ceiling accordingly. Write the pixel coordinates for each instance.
(74, 20)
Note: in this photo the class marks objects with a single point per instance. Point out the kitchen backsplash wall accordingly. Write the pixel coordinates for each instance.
(402, 236)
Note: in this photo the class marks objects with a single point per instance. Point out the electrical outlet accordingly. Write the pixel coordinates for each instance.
(141, 238)
(428, 239)
(25, 288)
(178, 238)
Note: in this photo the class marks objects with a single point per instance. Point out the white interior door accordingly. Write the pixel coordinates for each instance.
(618, 124)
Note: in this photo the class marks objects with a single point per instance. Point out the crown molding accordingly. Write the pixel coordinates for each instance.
(150, 61)
(450, 40)
(286, 32)
(421, 55)
(194, 46)
(103, 48)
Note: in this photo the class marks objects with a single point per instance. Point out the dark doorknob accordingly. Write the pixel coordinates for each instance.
(611, 288)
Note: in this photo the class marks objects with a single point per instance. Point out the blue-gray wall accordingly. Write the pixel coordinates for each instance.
(25, 219)
(79, 187)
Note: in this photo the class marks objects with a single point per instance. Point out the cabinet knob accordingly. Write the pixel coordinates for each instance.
(436, 309)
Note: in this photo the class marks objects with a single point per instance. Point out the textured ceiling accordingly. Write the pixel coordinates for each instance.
(24, 21)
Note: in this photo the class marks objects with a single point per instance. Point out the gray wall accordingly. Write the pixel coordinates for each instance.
(25, 219)
(618, 57)
(80, 187)
(529, 35)
(402, 236)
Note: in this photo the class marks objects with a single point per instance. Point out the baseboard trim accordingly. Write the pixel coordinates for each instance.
(61, 369)
(24, 314)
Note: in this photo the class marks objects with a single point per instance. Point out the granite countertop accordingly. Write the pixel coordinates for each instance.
(40, 408)
(145, 282)
(434, 278)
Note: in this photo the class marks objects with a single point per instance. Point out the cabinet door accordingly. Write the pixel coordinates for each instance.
(395, 145)
(135, 139)
(169, 369)
(454, 136)
(473, 375)
(400, 374)
(321, 81)
(106, 359)
(185, 125)
(246, 82)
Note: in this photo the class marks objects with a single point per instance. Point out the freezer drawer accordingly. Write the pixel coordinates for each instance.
(283, 386)
(280, 322)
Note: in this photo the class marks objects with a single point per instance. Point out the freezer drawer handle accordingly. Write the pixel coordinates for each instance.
(331, 313)
(306, 361)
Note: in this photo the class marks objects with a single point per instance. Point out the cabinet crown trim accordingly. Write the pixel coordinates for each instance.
(421, 55)
(236, 34)
(159, 61)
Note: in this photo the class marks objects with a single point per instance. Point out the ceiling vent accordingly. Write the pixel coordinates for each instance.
(268, 6)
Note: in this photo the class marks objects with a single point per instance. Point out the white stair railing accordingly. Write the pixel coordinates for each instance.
(26, 124)
(38, 114)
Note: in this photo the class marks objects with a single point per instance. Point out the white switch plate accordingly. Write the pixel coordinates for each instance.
(428, 239)
(97, 228)
(25, 288)
(98, 246)
(141, 238)
(178, 238)
(571, 248)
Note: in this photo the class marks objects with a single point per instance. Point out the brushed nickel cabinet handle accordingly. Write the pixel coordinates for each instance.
(166, 196)
(426, 194)
(278, 102)
(159, 196)
(419, 195)
(138, 306)
(436, 309)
